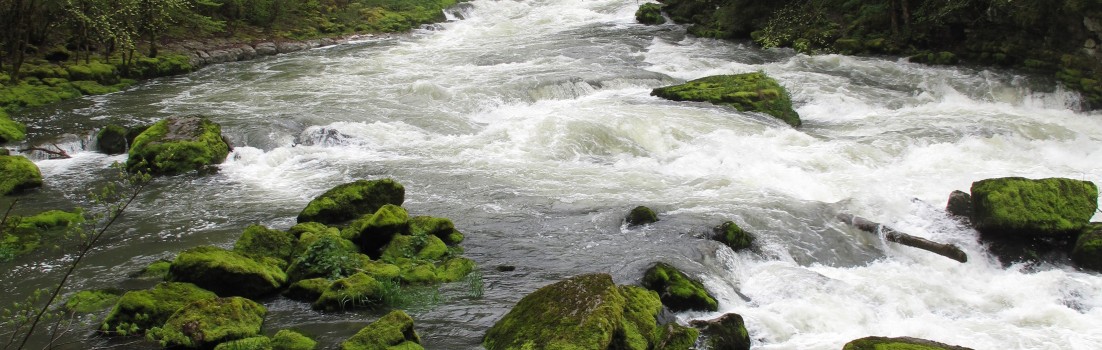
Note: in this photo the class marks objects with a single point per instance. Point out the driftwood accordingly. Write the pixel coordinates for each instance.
(947, 250)
(58, 154)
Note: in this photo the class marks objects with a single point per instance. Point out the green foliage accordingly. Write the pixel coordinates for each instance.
(329, 257)
(203, 323)
(650, 13)
(677, 291)
(393, 331)
(287, 339)
(1045, 207)
(178, 145)
(754, 92)
(17, 173)
(137, 311)
(227, 273)
(89, 301)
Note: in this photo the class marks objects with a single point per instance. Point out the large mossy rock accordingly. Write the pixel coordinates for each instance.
(731, 235)
(1015, 206)
(205, 323)
(1087, 253)
(138, 311)
(17, 173)
(903, 343)
(582, 312)
(227, 273)
(178, 145)
(111, 139)
(353, 292)
(10, 130)
(726, 332)
(352, 200)
(748, 92)
(678, 292)
(391, 332)
(258, 242)
(650, 13)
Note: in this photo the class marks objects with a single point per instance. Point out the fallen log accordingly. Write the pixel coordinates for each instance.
(947, 250)
(58, 154)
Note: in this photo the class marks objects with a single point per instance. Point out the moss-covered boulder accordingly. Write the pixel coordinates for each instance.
(678, 292)
(89, 301)
(178, 145)
(307, 290)
(17, 173)
(353, 292)
(677, 337)
(258, 242)
(391, 332)
(641, 215)
(726, 332)
(352, 200)
(250, 343)
(583, 312)
(227, 273)
(442, 228)
(155, 270)
(205, 323)
(111, 139)
(454, 269)
(287, 339)
(733, 236)
(138, 311)
(328, 257)
(10, 130)
(903, 343)
(1087, 253)
(650, 13)
(1015, 206)
(748, 92)
(373, 232)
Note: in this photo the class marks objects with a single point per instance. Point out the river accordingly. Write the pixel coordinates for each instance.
(530, 124)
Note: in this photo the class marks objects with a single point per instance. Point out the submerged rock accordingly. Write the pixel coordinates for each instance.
(1015, 206)
(393, 331)
(880, 343)
(748, 92)
(678, 292)
(582, 312)
(205, 323)
(138, 311)
(650, 13)
(352, 200)
(227, 273)
(641, 215)
(726, 332)
(17, 174)
(733, 236)
(178, 145)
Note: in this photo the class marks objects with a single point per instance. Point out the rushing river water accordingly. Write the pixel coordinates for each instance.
(530, 124)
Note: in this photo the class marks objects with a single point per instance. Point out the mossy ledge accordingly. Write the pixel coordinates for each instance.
(747, 92)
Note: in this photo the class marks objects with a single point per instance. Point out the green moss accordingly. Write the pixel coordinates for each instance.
(89, 301)
(677, 337)
(650, 13)
(158, 269)
(583, 312)
(10, 130)
(733, 236)
(226, 272)
(24, 234)
(351, 200)
(418, 273)
(313, 228)
(111, 139)
(259, 241)
(287, 339)
(89, 87)
(52, 219)
(677, 291)
(178, 145)
(753, 92)
(204, 323)
(1087, 253)
(307, 290)
(373, 232)
(138, 311)
(881, 343)
(251, 343)
(442, 228)
(94, 71)
(641, 216)
(17, 173)
(641, 309)
(1046, 207)
(32, 93)
(393, 331)
(353, 292)
(161, 66)
(329, 257)
(849, 46)
(454, 269)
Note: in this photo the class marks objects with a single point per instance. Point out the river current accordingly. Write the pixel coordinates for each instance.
(530, 124)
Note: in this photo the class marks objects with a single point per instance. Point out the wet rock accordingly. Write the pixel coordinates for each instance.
(203, 324)
(960, 205)
(266, 49)
(291, 46)
(726, 332)
(733, 236)
(1087, 253)
(18, 174)
(111, 139)
(650, 13)
(393, 331)
(677, 291)
(641, 215)
(178, 145)
(875, 343)
(582, 312)
(138, 311)
(748, 92)
(227, 273)
(1014, 206)
(352, 200)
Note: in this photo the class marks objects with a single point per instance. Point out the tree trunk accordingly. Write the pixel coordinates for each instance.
(947, 250)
